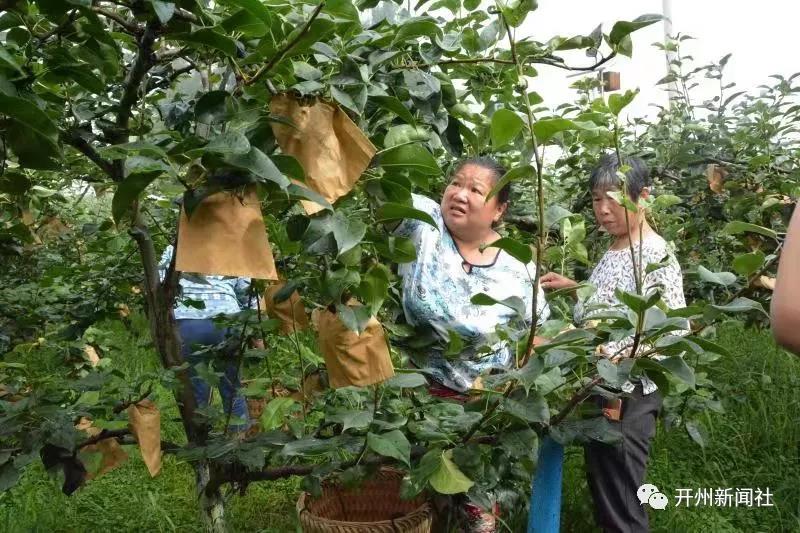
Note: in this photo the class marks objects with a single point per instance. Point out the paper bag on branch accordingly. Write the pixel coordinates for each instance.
(291, 312)
(111, 453)
(715, 175)
(144, 421)
(352, 359)
(225, 236)
(330, 147)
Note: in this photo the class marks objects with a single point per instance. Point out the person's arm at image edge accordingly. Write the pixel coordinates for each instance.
(786, 298)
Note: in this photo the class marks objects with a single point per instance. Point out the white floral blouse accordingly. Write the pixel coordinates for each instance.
(437, 288)
(615, 271)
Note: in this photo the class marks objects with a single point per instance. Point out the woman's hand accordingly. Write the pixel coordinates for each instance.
(554, 281)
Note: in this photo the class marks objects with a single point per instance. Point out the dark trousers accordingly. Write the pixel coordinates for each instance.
(196, 333)
(616, 471)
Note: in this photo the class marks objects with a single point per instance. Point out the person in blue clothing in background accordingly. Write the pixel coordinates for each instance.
(220, 296)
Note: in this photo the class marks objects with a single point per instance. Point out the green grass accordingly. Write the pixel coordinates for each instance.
(755, 443)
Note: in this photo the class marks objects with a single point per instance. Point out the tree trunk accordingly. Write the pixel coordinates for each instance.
(212, 505)
(160, 297)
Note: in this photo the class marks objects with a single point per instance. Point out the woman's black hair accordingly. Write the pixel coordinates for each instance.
(604, 176)
(492, 165)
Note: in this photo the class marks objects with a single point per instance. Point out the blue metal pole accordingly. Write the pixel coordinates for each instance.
(545, 513)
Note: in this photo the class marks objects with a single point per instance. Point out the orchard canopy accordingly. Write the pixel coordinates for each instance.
(110, 110)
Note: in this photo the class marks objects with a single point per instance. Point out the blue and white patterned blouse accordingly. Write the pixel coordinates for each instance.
(437, 292)
(224, 295)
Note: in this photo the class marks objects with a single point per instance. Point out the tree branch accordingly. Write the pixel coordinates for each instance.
(548, 60)
(130, 26)
(283, 51)
(144, 60)
(59, 28)
(83, 146)
(577, 398)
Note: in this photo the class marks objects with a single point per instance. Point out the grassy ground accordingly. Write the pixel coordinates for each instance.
(755, 444)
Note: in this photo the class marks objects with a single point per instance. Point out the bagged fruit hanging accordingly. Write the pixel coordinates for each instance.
(291, 311)
(330, 147)
(352, 359)
(144, 421)
(225, 236)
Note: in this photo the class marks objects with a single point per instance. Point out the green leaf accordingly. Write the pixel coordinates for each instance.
(397, 249)
(128, 191)
(230, 142)
(546, 128)
(254, 7)
(351, 419)
(737, 226)
(416, 27)
(514, 303)
(720, 278)
(697, 431)
(678, 368)
(289, 166)
(121, 151)
(300, 191)
(8, 59)
(505, 127)
(519, 251)
(406, 380)
(392, 444)
(623, 28)
(410, 157)
(259, 164)
(82, 75)
(747, 264)
(554, 214)
(346, 233)
(390, 103)
(405, 134)
(421, 85)
(638, 303)
(212, 107)
(448, 478)
(663, 201)
(9, 476)
(617, 102)
(374, 287)
(164, 10)
(39, 129)
(274, 413)
(455, 344)
(391, 211)
(210, 38)
(515, 11)
(516, 173)
(532, 409)
(741, 305)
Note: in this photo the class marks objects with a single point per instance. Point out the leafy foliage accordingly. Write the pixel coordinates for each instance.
(158, 99)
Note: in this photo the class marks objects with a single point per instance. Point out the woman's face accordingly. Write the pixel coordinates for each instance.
(464, 207)
(610, 214)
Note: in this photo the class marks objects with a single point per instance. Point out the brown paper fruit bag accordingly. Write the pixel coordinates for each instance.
(330, 147)
(352, 359)
(291, 312)
(111, 453)
(144, 421)
(225, 236)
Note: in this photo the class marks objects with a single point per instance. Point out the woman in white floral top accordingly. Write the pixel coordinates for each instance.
(616, 471)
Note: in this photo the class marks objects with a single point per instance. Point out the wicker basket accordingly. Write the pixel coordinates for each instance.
(374, 507)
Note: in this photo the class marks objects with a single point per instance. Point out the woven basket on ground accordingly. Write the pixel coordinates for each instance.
(373, 507)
